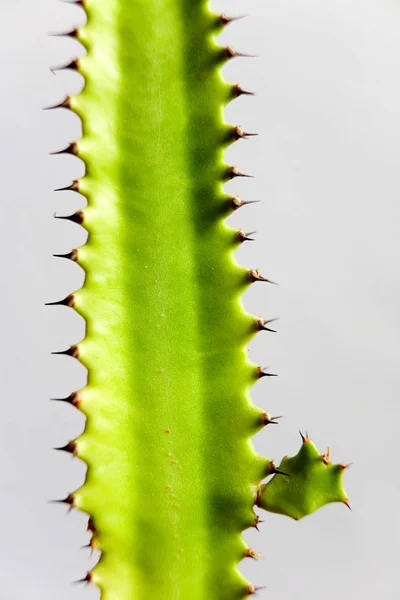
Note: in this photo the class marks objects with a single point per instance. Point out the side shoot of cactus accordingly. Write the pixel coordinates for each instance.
(172, 476)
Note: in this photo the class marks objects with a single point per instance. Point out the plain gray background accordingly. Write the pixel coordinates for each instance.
(327, 173)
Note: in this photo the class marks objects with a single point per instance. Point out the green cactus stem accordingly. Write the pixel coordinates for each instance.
(172, 475)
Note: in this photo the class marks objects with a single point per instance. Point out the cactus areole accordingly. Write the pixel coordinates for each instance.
(172, 477)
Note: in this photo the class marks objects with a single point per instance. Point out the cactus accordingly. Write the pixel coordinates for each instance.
(172, 476)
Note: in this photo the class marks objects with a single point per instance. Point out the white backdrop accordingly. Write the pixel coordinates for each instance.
(327, 172)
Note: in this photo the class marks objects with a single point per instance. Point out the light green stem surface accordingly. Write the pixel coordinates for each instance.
(171, 470)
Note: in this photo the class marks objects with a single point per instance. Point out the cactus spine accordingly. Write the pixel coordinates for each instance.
(172, 474)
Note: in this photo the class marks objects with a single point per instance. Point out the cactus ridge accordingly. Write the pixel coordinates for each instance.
(172, 476)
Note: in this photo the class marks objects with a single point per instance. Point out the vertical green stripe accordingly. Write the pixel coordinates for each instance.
(167, 537)
(106, 445)
(231, 465)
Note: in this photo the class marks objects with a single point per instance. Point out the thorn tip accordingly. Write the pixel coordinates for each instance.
(239, 91)
(232, 53)
(71, 448)
(73, 351)
(244, 237)
(273, 470)
(76, 217)
(71, 149)
(304, 438)
(66, 103)
(74, 186)
(233, 172)
(250, 553)
(68, 301)
(255, 275)
(268, 420)
(69, 500)
(73, 65)
(262, 324)
(239, 133)
(326, 458)
(73, 255)
(74, 399)
(257, 521)
(262, 372)
(87, 579)
(236, 202)
(253, 589)
(226, 20)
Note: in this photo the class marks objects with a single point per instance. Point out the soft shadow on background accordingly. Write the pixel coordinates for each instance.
(327, 85)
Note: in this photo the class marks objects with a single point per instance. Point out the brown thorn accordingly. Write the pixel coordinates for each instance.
(274, 470)
(91, 526)
(278, 472)
(326, 458)
(263, 373)
(233, 172)
(71, 448)
(73, 255)
(74, 399)
(236, 202)
(73, 351)
(77, 217)
(255, 275)
(262, 323)
(239, 91)
(343, 466)
(71, 149)
(72, 34)
(257, 520)
(70, 500)
(346, 502)
(268, 420)
(238, 133)
(250, 553)
(231, 53)
(74, 186)
(68, 301)
(253, 589)
(64, 104)
(73, 65)
(225, 19)
(244, 237)
(87, 579)
(304, 438)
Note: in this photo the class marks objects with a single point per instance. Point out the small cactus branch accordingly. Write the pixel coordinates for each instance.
(311, 481)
